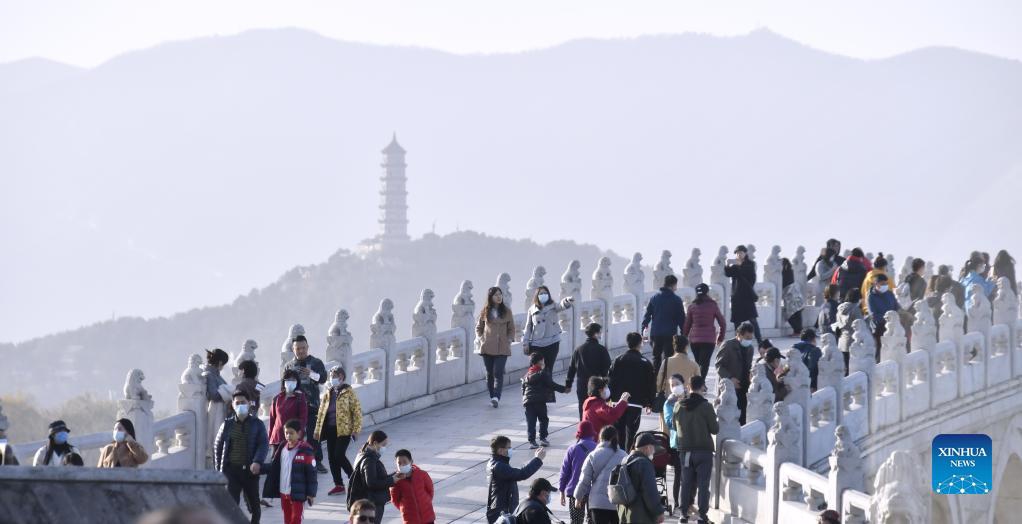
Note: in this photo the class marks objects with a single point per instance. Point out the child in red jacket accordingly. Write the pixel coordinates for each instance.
(412, 495)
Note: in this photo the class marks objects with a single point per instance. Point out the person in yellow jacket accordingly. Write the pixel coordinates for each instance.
(879, 267)
(338, 423)
(677, 364)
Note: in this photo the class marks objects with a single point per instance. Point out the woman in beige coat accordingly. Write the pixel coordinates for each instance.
(494, 333)
(124, 451)
(677, 364)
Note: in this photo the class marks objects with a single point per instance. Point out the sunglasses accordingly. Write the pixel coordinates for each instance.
(365, 518)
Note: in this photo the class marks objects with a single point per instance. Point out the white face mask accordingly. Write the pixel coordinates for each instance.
(543, 297)
(747, 342)
(981, 268)
(884, 289)
(241, 410)
(606, 393)
(119, 436)
(335, 382)
(290, 385)
(406, 469)
(383, 449)
(678, 390)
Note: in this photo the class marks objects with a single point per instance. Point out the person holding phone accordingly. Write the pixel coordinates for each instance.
(742, 273)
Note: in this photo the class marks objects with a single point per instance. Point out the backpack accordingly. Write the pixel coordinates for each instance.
(620, 489)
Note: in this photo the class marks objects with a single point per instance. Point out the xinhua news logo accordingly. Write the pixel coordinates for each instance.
(962, 464)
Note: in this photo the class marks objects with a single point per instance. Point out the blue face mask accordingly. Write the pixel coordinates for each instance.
(60, 437)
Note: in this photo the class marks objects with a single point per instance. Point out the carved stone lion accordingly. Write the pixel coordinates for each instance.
(133, 389)
(193, 373)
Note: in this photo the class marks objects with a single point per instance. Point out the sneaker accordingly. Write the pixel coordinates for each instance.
(265, 503)
(533, 445)
(321, 468)
(683, 520)
(544, 442)
(338, 490)
(494, 402)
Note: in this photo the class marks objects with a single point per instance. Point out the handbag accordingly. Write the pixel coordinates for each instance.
(661, 398)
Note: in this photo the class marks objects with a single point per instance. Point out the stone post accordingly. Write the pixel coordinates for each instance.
(192, 398)
(831, 369)
(726, 406)
(603, 290)
(463, 316)
(893, 342)
(247, 354)
(692, 274)
(952, 320)
(286, 353)
(661, 270)
(899, 493)
(532, 285)
(338, 342)
(845, 466)
(797, 381)
(924, 328)
(863, 350)
(718, 277)
(571, 287)
(137, 406)
(760, 397)
(783, 445)
(635, 279)
(424, 325)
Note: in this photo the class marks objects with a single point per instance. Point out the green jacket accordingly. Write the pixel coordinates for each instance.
(695, 423)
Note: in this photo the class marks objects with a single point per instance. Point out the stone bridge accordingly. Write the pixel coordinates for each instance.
(859, 444)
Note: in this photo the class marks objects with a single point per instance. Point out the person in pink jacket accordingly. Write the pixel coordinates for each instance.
(288, 404)
(700, 327)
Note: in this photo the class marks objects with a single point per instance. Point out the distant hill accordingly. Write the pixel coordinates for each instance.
(34, 75)
(183, 174)
(95, 359)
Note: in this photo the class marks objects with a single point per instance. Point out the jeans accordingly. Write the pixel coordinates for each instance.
(534, 411)
(549, 354)
(603, 516)
(703, 352)
(663, 348)
(337, 453)
(494, 374)
(696, 474)
(241, 480)
(628, 425)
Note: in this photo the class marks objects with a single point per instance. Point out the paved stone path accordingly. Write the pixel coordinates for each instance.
(451, 442)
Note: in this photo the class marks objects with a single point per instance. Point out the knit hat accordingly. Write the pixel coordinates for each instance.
(585, 430)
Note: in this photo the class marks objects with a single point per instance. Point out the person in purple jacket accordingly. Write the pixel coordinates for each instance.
(571, 469)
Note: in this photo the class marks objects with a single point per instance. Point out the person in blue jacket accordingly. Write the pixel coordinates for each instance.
(292, 475)
(502, 479)
(810, 355)
(881, 300)
(665, 317)
(973, 274)
(240, 449)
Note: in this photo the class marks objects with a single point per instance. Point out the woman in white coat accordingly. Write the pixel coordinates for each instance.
(542, 332)
(596, 469)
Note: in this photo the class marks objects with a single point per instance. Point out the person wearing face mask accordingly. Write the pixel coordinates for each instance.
(679, 364)
(338, 422)
(847, 312)
(742, 273)
(571, 469)
(124, 452)
(678, 392)
(881, 300)
(696, 423)
(632, 372)
(57, 446)
(502, 479)
(646, 508)
(292, 475)
(734, 363)
(369, 478)
(598, 409)
(973, 271)
(7, 457)
(240, 449)
(537, 390)
(311, 373)
(591, 359)
(250, 384)
(412, 495)
(868, 283)
(534, 510)
(289, 404)
(542, 333)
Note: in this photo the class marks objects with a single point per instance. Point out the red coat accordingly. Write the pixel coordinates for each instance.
(284, 409)
(414, 497)
(600, 414)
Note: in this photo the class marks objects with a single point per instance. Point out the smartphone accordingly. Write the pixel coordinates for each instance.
(731, 261)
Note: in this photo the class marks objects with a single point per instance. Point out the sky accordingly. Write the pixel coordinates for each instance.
(89, 33)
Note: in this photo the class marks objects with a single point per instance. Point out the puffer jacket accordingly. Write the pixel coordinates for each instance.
(496, 334)
(542, 326)
(975, 278)
(595, 475)
(699, 323)
(347, 411)
(369, 480)
(847, 312)
(538, 387)
(413, 496)
(257, 442)
(303, 481)
(869, 281)
(851, 274)
(502, 480)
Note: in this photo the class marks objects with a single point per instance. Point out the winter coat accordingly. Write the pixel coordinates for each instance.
(878, 305)
(502, 483)
(571, 467)
(600, 414)
(666, 313)
(780, 390)
(811, 358)
(284, 408)
(595, 475)
(255, 434)
(850, 275)
(695, 423)
(743, 290)
(130, 455)
(310, 384)
(971, 278)
(828, 316)
(303, 482)
(543, 326)
(646, 508)
(824, 270)
(496, 334)
(591, 359)
(869, 281)
(7, 457)
(213, 383)
(532, 511)
(734, 361)
(699, 323)
(681, 364)
(916, 286)
(538, 387)
(847, 312)
(347, 411)
(633, 373)
(56, 459)
(413, 496)
(369, 479)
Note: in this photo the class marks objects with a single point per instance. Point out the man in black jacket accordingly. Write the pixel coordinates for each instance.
(533, 510)
(633, 373)
(742, 273)
(666, 312)
(590, 359)
(538, 388)
(502, 479)
(734, 363)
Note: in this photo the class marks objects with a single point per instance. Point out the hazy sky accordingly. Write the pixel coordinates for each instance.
(87, 33)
